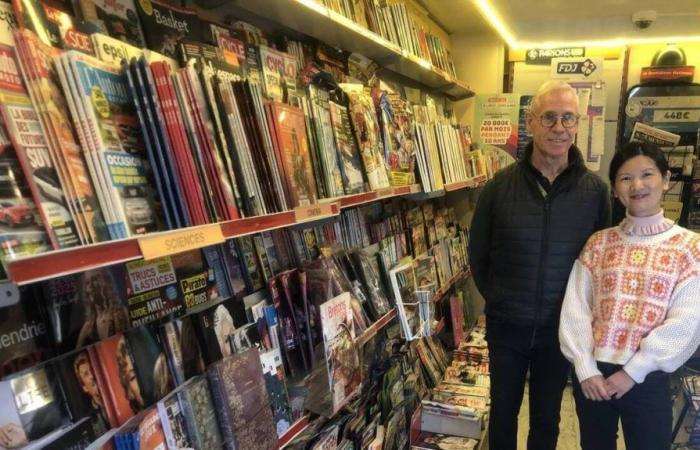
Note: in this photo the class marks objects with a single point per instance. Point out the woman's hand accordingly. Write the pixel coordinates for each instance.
(619, 384)
(594, 388)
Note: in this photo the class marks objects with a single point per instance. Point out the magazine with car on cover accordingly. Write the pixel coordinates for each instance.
(21, 122)
(119, 151)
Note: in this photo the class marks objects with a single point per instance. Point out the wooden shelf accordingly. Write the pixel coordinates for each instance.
(56, 263)
(293, 431)
(373, 329)
(440, 293)
(315, 20)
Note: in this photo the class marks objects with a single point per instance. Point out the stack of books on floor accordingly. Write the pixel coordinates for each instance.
(456, 416)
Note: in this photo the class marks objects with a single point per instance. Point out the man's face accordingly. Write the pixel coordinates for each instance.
(87, 382)
(553, 142)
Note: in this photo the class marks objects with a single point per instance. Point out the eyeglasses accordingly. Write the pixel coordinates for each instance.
(550, 119)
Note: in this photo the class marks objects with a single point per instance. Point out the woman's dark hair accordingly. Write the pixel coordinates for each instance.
(632, 149)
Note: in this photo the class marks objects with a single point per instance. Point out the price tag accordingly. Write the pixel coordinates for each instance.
(164, 244)
(306, 213)
(385, 192)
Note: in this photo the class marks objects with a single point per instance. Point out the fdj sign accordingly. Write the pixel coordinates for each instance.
(584, 68)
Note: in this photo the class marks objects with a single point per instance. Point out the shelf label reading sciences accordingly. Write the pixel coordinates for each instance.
(180, 241)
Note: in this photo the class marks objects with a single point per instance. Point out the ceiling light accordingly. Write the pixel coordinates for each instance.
(493, 18)
(497, 23)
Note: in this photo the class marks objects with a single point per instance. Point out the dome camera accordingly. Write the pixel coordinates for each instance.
(643, 19)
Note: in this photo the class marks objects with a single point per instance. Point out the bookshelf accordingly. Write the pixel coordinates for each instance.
(73, 260)
(294, 430)
(314, 19)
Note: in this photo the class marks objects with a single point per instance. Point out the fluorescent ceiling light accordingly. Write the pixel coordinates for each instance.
(497, 23)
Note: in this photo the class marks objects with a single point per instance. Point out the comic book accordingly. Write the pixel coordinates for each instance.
(342, 359)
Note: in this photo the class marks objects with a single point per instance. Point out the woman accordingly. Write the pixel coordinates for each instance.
(631, 312)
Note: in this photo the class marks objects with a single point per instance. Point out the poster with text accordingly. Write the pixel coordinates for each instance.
(496, 121)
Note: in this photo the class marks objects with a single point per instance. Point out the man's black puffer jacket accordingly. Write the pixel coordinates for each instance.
(522, 245)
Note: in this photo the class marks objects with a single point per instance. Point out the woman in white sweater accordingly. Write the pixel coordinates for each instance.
(631, 312)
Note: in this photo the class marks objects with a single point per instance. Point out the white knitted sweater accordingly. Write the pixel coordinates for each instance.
(633, 298)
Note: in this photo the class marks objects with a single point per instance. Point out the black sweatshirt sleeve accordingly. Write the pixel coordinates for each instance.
(480, 239)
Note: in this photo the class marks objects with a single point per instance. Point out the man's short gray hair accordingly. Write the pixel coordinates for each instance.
(547, 88)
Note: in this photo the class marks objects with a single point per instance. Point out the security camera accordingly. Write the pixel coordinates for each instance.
(643, 19)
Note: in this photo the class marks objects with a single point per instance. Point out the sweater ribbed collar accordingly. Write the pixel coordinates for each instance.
(645, 226)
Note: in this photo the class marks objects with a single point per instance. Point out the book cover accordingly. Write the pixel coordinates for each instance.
(22, 230)
(164, 26)
(182, 349)
(76, 437)
(294, 153)
(150, 363)
(234, 269)
(42, 78)
(367, 133)
(216, 328)
(403, 282)
(342, 359)
(118, 18)
(79, 387)
(86, 308)
(242, 401)
(350, 163)
(437, 441)
(119, 146)
(173, 422)
(24, 332)
(120, 383)
(200, 414)
(273, 372)
(150, 431)
(22, 124)
(32, 406)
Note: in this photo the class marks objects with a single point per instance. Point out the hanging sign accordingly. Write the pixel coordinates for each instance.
(543, 56)
(674, 73)
(577, 68)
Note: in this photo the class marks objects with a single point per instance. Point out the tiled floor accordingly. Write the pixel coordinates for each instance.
(568, 427)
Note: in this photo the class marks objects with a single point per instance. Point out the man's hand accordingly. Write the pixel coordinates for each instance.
(619, 384)
(594, 388)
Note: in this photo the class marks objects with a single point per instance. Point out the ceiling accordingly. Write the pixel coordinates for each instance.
(542, 21)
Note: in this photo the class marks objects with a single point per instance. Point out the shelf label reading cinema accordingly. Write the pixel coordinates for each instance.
(180, 241)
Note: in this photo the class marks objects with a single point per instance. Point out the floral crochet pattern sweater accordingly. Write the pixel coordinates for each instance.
(633, 298)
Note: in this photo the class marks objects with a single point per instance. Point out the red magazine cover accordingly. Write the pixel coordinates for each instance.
(58, 128)
(185, 151)
(119, 376)
(272, 124)
(160, 71)
(151, 436)
(99, 374)
(293, 149)
(221, 189)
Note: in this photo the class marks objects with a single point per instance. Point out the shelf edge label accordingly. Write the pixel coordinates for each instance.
(170, 243)
(310, 212)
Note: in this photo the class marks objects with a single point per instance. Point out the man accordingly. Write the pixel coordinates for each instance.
(530, 223)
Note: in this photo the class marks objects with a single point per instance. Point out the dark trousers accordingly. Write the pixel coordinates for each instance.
(645, 412)
(513, 350)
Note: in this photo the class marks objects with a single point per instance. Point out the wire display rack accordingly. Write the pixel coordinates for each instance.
(690, 384)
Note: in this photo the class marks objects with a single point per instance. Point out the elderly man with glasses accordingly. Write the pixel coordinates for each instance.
(530, 223)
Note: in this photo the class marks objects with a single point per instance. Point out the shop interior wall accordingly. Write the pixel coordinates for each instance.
(479, 61)
(527, 78)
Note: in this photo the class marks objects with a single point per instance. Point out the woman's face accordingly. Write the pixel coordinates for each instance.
(640, 186)
(133, 390)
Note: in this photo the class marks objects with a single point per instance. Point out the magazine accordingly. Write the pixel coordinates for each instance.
(342, 358)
